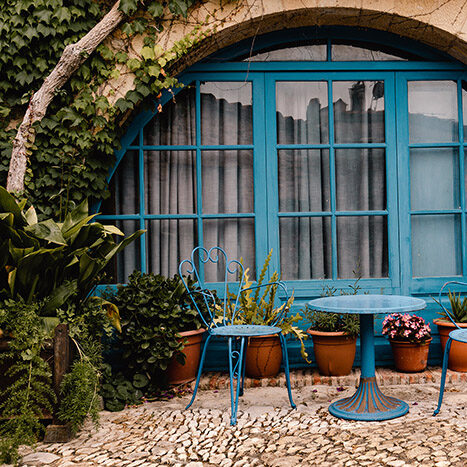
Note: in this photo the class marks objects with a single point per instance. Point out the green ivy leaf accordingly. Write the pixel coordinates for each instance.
(148, 53)
(133, 64)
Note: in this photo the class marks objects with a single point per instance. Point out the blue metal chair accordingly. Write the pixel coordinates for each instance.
(458, 335)
(206, 304)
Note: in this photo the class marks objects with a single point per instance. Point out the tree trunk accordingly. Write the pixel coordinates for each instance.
(72, 57)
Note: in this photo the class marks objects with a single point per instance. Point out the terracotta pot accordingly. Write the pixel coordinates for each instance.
(263, 356)
(334, 352)
(410, 357)
(458, 353)
(179, 374)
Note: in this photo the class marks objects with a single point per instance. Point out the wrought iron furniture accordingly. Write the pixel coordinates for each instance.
(227, 312)
(368, 403)
(459, 335)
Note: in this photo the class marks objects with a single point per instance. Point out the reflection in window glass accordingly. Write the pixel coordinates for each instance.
(302, 112)
(368, 53)
(436, 245)
(362, 247)
(360, 179)
(433, 116)
(434, 179)
(305, 244)
(170, 182)
(227, 181)
(226, 113)
(358, 111)
(303, 176)
(304, 53)
(169, 241)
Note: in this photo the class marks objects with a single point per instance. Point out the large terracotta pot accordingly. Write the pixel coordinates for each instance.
(458, 353)
(410, 357)
(334, 352)
(179, 374)
(263, 356)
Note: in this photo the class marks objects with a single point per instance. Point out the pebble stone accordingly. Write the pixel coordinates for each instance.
(269, 432)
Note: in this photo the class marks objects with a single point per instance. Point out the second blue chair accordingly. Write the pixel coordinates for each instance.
(226, 311)
(459, 335)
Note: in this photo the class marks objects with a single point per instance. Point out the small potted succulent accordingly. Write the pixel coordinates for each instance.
(334, 336)
(410, 339)
(458, 312)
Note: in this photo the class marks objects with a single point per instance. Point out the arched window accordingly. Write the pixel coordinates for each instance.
(346, 157)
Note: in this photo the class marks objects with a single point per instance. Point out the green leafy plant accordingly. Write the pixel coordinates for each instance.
(29, 394)
(458, 305)
(154, 309)
(334, 322)
(257, 305)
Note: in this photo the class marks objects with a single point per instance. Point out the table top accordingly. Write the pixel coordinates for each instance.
(367, 304)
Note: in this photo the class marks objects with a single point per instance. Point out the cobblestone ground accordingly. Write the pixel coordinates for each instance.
(269, 433)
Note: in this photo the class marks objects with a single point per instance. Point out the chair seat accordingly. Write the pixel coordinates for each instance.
(459, 335)
(242, 330)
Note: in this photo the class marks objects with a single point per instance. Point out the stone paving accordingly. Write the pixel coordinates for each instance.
(269, 433)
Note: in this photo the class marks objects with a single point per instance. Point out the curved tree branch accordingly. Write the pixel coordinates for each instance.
(72, 57)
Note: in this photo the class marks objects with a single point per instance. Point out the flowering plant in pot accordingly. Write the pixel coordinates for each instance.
(334, 335)
(410, 339)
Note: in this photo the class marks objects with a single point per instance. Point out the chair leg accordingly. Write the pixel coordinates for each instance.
(243, 367)
(286, 368)
(200, 370)
(443, 375)
(235, 370)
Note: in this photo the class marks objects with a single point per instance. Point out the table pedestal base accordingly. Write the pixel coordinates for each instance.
(368, 403)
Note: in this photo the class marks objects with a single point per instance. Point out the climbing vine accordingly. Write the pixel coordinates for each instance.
(73, 145)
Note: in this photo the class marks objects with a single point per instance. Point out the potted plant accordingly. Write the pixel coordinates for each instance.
(458, 312)
(161, 336)
(258, 305)
(410, 339)
(334, 336)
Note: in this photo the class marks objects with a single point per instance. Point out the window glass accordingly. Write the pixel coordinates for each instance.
(227, 181)
(170, 182)
(304, 184)
(175, 125)
(436, 245)
(302, 53)
(362, 247)
(169, 241)
(302, 112)
(434, 179)
(365, 52)
(358, 111)
(464, 107)
(360, 179)
(226, 113)
(305, 244)
(433, 116)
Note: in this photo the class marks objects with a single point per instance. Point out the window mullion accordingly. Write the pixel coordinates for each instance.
(461, 174)
(142, 201)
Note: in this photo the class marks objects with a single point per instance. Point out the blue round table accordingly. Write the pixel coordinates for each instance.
(368, 402)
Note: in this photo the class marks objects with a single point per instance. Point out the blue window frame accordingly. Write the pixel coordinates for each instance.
(420, 100)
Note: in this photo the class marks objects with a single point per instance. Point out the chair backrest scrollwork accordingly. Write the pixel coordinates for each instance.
(448, 313)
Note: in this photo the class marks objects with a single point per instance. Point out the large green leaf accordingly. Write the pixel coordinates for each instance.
(31, 216)
(60, 295)
(18, 253)
(9, 204)
(47, 230)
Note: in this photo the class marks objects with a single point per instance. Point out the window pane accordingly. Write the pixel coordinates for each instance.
(169, 241)
(170, 182)
(436, 245)
(434, 179)
(124, 187)
(302, 112)
(362, 247)
(464, 107)
(303, 180)
(433, 114)
(360, 179)
(303, 53)
(227, 178)
(226, 113)
(358, 111)
(129, 259)
(305, 244)
(236, 237)
(365, 52)
(175, 125)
